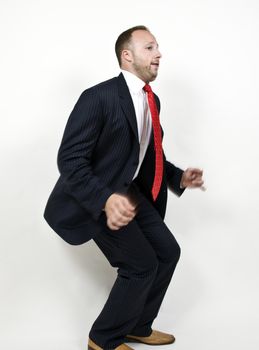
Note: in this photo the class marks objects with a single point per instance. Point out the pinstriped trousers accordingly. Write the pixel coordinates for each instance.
(145, 253)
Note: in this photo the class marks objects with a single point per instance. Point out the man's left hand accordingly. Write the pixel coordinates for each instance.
(192, 178)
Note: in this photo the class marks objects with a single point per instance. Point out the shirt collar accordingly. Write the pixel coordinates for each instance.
(135, 84)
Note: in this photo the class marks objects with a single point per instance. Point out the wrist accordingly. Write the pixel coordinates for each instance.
(182, 185)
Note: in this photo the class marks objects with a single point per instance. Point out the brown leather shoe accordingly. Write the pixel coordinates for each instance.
(155, 338)
(93, 346)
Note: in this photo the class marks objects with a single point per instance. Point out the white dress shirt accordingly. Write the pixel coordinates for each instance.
(142, 111)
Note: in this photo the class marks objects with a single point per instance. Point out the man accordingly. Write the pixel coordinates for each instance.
(113, 188)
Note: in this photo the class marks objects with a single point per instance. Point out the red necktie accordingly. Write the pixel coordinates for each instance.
(157, 141)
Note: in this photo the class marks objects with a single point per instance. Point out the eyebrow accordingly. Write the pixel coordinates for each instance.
(152, 42)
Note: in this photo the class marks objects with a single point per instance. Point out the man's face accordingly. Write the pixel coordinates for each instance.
(145, 55)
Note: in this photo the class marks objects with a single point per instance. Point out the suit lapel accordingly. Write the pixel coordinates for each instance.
(127, 104)
(128, 107)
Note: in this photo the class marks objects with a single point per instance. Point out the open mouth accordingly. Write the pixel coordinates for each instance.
(155, 64)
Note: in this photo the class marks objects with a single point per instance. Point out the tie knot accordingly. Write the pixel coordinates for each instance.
(147, 88)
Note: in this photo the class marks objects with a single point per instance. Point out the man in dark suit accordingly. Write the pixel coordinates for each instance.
(113, 189)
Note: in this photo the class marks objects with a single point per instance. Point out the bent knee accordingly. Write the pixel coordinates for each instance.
(177, 251)
(172, 253)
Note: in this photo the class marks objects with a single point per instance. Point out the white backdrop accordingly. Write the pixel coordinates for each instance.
(51, 50)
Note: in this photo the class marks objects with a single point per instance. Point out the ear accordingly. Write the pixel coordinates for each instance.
(126, 55)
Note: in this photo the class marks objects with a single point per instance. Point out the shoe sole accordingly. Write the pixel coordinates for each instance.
(131, 340)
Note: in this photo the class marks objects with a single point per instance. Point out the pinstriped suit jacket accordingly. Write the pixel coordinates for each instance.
(98, 156)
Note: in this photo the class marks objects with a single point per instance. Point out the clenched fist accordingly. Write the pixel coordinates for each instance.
(119, 211)
(192, 178)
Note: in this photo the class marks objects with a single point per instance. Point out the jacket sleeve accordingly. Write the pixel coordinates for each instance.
(76, 153)
(173, 177)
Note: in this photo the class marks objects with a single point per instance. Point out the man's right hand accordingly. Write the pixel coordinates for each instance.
(119, 211)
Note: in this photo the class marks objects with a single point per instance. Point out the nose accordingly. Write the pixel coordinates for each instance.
(158, 54)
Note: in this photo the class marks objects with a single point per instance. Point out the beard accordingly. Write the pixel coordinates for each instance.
(144, 72)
